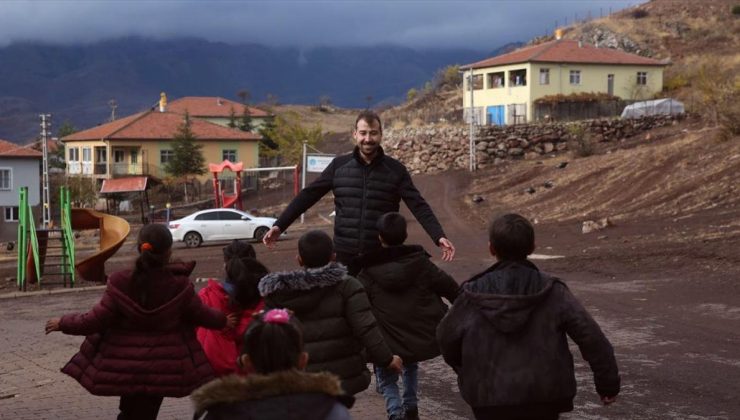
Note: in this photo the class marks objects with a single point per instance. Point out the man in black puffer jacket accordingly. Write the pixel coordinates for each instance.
(505, 335)
(366, 185)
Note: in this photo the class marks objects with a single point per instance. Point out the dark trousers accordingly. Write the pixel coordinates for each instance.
(348, 259)
(509, 413)
(139, 407)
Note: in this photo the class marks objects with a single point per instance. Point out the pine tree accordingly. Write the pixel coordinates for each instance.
(187, 156)
(232, 118)
(245, 124)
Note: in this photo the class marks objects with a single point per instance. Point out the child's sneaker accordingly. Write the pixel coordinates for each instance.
(412, 413)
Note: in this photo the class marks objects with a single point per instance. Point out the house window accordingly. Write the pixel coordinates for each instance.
(74, 154)
(100, 155)
(229, 155)
(518, 77)
(166, 156)
(496, 80)
(11, 214)
(477, 82)
(118, 156)
(544, 76)
(642, 78)
(134, 157)
(575, 77)
(6, 179)
(86, 154)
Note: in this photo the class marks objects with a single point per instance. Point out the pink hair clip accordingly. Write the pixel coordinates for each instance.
(277, 316)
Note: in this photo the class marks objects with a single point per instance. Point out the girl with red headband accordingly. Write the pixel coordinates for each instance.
(140, 342)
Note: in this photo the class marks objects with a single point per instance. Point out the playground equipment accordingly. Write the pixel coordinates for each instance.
(222, 199)
(34, 259)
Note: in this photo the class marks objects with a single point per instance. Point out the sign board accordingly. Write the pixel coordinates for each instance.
(317, 163)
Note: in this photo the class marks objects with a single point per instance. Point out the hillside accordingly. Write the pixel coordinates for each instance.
(700, 38)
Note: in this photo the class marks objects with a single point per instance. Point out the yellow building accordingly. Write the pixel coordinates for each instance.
(141, 144)
(505, 87)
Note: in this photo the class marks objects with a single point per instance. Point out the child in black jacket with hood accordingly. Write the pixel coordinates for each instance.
(505, 335)
(405, 289)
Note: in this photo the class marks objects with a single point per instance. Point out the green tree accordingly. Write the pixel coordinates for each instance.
(245, 122)
(232, 118)
(411, 95)
(187, 156)
(57, 157)
(289, 133)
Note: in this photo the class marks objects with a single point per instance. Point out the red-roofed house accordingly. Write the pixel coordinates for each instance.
(506, 86)
(218, 110)
(19, 167)
(141, 144)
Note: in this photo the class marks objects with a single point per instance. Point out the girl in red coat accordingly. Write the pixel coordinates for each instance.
(237, 295)
(140, 342)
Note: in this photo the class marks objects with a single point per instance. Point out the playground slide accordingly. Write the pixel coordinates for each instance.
(113, 232)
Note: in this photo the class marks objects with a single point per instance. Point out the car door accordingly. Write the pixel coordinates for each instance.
(207, 225)
(233, 227)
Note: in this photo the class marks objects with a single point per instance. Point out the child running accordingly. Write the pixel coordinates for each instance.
(339, 327)
(405, 289)
(238, 295)
(140, 342)
(276, 388)
(505, 335)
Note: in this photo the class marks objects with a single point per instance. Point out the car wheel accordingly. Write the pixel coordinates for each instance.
(260, 232)
(192, 239)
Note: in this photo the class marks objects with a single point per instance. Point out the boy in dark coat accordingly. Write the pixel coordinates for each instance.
(339, 329)
(405, 289)
(505, 335)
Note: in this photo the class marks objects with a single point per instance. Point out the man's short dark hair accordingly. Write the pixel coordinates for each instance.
(315, 248)
(392, 228)
(512, 237)
(369, 117)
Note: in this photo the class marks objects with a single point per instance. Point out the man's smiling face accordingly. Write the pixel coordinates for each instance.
(368, 137)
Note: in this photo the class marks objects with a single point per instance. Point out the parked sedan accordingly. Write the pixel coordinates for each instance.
(219, 225)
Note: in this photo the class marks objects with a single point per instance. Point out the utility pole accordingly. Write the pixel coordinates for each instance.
(113, 105)
(45, 132)
(471, 146)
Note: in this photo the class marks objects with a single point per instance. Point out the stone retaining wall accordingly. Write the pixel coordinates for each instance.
(436, 147)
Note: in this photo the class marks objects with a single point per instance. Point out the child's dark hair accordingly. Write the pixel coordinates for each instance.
(273, 341)
(239, 249)
(392, 228)
(315, 248)
(245, 274)
(154, 243)
(512, 236)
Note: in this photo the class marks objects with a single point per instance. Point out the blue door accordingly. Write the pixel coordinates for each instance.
(495, 115)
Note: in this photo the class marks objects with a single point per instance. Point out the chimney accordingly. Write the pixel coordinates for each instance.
(162, 102)
(558, 33)
(580, 44)
(218, 102)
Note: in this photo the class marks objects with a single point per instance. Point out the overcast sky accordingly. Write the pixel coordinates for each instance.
(481, 25)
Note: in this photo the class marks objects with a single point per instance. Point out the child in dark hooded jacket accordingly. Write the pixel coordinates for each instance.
(276, 388)
(505, 335)
(404, 289)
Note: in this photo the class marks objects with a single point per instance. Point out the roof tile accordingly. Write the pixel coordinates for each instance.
(211, 106)
(8, 149)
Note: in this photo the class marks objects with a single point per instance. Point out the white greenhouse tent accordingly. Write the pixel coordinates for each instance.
(655, 107)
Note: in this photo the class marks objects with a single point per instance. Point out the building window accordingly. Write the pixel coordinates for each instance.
(74, 154)
(134, 157)
(575, 77)
(544, 76)
(118, 156)
(6, 179)
(166, 156)
(642, 78)
(86, 154)
(477, 82)
(518, 77)
(496, 80)
(229, 155)
(11, 214)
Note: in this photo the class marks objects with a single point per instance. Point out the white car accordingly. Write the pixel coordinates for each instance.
(219, 225)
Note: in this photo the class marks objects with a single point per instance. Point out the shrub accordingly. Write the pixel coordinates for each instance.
(639, 13)
(736, 9)
(411, 95)
(579, 141)
(676, 82)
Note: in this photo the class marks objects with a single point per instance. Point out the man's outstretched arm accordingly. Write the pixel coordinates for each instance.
(302, 202)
